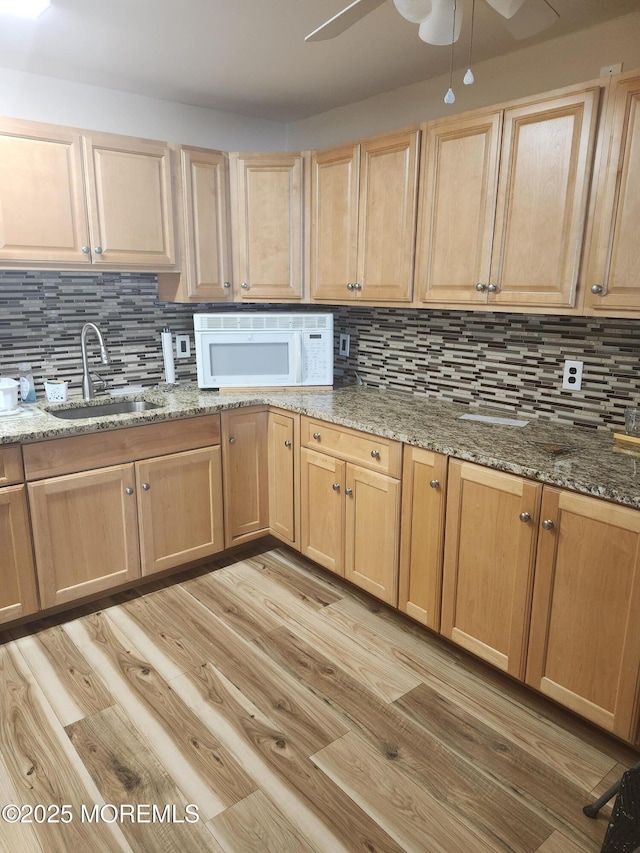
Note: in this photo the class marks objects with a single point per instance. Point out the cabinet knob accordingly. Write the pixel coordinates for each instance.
(98, 250)
(375, 454)
(316, 435)
(435, 484)
(597, 289)
(350, 286)
(146, 486)
(480, 286)
(287, 443)
(357, 286)
(85, 250)
(336, 487)
(232, 440)
(245, 285)
(493, 288)
(525, 516)
(547, 524)
(227, 284)
(128, 491)
(348, 492)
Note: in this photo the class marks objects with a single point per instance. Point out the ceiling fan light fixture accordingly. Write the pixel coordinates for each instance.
(24, 8)
(414, 10)
(437, 28)
(507, 8)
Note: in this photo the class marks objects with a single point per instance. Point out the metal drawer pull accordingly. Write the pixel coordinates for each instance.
(128, 491)
(98, 250)
(597, 289)
(547, 524)
(146, 486)
(336, 487)
(357, 286)
(227, 284)
(287, 443)
(525, 516)
(493, 288)
(435, 484)
(375, 454)
(316, 435)
(245, 285)
(480, 287)
(232, 440)
(348, 492)
(350, 286)
(86, 250)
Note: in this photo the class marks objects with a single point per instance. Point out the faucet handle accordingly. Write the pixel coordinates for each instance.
(99, 383)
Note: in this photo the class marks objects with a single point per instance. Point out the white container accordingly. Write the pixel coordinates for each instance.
(56, 390)
(8, 395)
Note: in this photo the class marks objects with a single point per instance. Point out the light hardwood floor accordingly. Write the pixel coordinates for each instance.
(296, 713)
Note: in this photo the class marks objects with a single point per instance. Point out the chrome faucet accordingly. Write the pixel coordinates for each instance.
(88, 389)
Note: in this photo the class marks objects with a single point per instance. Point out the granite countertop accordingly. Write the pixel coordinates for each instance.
(573, 458)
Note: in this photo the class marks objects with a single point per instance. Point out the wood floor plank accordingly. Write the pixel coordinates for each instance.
(308, 589)
(208, 639)
(416, 819)
(503, 760)
(558, 842)
(206, 765)
(256, 825)
(386, 681)
(39, 767)
(15, 836)
(127, 773)
(500, 819)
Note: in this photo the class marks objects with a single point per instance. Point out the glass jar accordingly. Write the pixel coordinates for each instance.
(27, 385)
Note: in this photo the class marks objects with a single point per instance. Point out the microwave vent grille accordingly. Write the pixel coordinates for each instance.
(262, 322)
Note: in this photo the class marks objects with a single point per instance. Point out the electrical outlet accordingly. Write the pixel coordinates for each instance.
(344, 344)
(572, 377)
(183, 346)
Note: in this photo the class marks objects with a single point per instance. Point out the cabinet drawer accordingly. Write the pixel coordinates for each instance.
(115, 447)
(380, 454)
(11, 470)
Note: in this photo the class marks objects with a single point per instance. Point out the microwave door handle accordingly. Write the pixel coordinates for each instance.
(297, 358)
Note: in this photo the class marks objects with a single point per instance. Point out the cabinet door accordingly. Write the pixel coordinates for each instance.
(268, 225)
(130, 202)
(180, 508)
(43, 214)
(614, 256)
(335, 175)
(387, 217)
(17, 576)
(284, 446)
(322, 481)
(207, 233)
(85, 533)
(424, 489)
(488, 563)
(245, 466)
(584, 649)
(372, 532)
(457, 209)
(545, 171)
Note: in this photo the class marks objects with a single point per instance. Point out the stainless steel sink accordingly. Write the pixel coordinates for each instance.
(120, 408)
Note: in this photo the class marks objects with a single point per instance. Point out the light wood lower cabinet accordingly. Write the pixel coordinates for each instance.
(490, 543)
(322, 509)
(584, 649)
(424, 489)
(18, 595)
(245, 474)
(85, 533)
(284, 476)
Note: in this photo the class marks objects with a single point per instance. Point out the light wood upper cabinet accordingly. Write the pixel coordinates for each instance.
(245, 474)
(611, 280)
(517, 242)
(363, 219)
(18, 595)
(180, 508)
(424, 490)
(43, 213)
(205, 229)
(488, 563)
(284, 476)
(584, 649)
(267, 200)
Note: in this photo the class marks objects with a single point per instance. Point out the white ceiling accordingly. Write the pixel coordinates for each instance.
(249, 56)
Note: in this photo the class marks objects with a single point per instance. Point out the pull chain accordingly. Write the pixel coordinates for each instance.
(468, 77)
(450, 97)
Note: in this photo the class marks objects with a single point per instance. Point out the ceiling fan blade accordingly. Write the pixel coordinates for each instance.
(343, 20)
(532, 18)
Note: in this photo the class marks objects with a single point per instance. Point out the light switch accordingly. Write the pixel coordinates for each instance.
(183, 346)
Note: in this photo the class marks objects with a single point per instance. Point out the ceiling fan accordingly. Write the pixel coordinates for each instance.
(438, 25)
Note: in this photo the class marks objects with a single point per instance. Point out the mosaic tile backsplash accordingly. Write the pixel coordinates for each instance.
(504, 361)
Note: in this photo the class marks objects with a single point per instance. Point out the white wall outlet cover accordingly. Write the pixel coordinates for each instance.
(572, 376)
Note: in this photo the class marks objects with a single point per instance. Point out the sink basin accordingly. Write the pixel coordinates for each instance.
(101, 409)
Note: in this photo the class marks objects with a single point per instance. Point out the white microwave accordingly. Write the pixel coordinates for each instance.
(246, 350)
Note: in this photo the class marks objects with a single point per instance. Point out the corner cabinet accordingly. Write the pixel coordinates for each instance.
(611, 281)
(267, 196)
(68, 199)
(363, 219)
(204, 225)
(501, 225)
